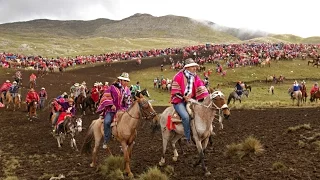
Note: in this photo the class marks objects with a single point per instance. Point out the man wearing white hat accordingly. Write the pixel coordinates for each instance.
(14, 89)
(43, 97)
(115, 98)
(186, 84)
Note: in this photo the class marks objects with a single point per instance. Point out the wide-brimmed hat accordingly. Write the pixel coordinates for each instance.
(63, 94)
(43, 88)
(106, 83)
(303, 82)
(7, 81)
(83, 83)
(124, 76)
(14, 82)
(189, 63)
(76, 84)
(95, 84)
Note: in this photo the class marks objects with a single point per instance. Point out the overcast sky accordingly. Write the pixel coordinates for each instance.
(299, 17)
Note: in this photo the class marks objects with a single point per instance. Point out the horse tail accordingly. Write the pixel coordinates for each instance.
(86, 147)
(229, 99)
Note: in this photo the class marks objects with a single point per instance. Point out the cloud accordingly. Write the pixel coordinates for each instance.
(274, 16)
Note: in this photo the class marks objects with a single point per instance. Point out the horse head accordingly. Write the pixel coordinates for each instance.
(78, 124)
(219, 102)
(145, 92)
(145, 106)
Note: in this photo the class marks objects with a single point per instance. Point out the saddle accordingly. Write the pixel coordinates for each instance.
(117, 118)
(174, 118)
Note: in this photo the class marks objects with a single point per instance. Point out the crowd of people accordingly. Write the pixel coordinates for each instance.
(234, 54)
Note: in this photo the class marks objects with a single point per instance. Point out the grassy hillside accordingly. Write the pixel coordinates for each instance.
(254, 76)
(141, 31)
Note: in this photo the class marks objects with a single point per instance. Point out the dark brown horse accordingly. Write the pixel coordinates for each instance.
(280, 80)
(315, 96)
(303, 90)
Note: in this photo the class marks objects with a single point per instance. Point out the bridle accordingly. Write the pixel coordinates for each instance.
(144, 114)
(212, 105)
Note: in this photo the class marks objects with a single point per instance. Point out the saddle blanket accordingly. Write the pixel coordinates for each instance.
(62, 117)
(1, 105)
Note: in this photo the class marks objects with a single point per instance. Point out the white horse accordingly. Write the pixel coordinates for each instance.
(201, 125)
(271, 89)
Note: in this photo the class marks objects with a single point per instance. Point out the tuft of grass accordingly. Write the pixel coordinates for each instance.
(316, 145)
(301, 144)
(279, 166)
(11, 178)
(116, 175)
(153, 173)
(111, 165)
(45, 176)
(295, 128)
(169, 170)
(10, 166)
(247, 147)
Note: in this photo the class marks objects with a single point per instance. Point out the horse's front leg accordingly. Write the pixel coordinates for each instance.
(73, 141)
(165, 139)
(126, 159)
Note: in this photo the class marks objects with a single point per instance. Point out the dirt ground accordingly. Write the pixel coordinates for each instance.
(29, 151)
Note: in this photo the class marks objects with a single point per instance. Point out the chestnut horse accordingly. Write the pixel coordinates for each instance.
(201, 125)
(123, 129)
(16, 101)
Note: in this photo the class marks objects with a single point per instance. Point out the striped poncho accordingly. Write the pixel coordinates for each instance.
(179, 83)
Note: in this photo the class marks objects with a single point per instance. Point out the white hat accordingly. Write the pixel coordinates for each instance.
(43, 88)
(76, 84)
(100, 84)
(95, 84)
(7, 81)
(64, 94)
(303, 82)
(189, 63)
(124, 76)
(14, 82)
(106, 83)
(84, 83)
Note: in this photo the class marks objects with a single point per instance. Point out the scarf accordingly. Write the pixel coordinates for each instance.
(190, 79)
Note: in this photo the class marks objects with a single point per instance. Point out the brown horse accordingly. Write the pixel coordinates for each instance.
(33, 109)
(32, 84)
(315, 96)
(303, 90)
(201, 125)
(16, 101)
(280, 80)
(124, 130)
(79, 101)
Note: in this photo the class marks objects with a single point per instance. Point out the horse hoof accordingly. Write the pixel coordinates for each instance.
(175, 158)
(92, 165)
(130, 175)
(161, 163)
(207, 174)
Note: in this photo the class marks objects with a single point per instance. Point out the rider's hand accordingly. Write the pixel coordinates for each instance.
(186, 98)
(113, 107)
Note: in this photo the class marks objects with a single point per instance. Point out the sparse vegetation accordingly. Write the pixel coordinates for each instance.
(153, 174)
(295, 128)
(169, 170)
(111, 166)
(250, 146)
(301, 144)
(279, 166)
(10, 166)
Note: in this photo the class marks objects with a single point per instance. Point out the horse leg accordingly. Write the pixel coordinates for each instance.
(126, 159)
(165, 139)
(73, 142)
(97, 139)
(173, 143)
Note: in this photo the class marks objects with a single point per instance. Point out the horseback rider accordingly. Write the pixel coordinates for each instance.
(239, 88)
(95, 94)
(32, 96)
(314, 89)
(33, 78)
(72, 90)
(18, 77)
(43, 97)
(295, 87)
(135, 88)
(181, 93)
(116, 98)
(14, 89)
(67, 108)
(4, 88)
